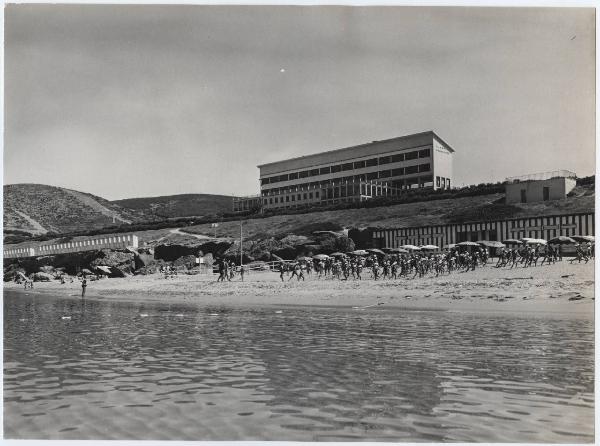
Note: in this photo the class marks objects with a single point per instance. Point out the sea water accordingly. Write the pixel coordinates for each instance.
(99, 369)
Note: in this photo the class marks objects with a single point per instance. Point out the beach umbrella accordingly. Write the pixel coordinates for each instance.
(512, 241)
(376, 251)
(337, 254)
(562, 240)
(491, 243)
(104, 269)
(398, 250)
(534, 241)
(583, 238)
(410, 247)
(430, 247)
(86, 271)
(320, 257)
(450, 246)
(467, 244)
(360, 252)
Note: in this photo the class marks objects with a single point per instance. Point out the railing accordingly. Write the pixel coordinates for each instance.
(104, 242)
(542, 176)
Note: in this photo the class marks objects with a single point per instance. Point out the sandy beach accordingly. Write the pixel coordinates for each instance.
(563, 289)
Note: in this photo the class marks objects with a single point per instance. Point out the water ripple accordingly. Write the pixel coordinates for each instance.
(176, 372)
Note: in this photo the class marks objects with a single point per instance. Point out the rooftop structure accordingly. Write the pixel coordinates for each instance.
(542, 176)
(545, 186)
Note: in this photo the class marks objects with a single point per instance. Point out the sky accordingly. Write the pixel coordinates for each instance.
(149, 100)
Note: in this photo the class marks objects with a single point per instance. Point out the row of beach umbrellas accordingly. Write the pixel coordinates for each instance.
(560, 240)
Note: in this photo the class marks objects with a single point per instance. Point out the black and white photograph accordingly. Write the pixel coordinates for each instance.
(299, 223)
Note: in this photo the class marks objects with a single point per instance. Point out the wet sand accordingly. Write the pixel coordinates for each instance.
(563, 289)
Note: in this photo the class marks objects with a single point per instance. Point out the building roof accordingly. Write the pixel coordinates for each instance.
(339, 153)
(540, 176)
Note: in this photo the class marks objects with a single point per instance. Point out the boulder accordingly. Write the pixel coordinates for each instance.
(12, 271)
(335, 243)
(362, 237)
(121, 260)
(188, 261)
(42, 277)
(143, 257)
(49, 269)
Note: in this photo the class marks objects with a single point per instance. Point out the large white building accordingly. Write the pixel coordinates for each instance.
(378, 168)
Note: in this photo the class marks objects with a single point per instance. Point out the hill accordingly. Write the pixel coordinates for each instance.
(459, 209)
(35, 209)
(435, 212)
(174, 206)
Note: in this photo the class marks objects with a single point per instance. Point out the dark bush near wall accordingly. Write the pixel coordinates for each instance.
(586, 181)
(489, 212)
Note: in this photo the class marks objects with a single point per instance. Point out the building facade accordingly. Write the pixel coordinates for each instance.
(540, 187)
(249, 203)
(379, 168)
(517, 228)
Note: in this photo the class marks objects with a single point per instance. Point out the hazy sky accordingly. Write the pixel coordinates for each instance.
(129, 101)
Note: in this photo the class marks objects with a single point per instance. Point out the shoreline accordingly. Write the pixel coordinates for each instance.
(562, 289)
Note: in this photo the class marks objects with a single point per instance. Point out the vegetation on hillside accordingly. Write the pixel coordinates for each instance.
(57, 210)
(418, 207)
(174, 206)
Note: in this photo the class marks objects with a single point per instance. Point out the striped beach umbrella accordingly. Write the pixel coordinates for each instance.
(491, 243)
(410, 247)
(583, 238)
(562, 240)
(467, 244)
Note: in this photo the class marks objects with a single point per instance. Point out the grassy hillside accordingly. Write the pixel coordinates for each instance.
(441, 211)
(173, 206)
(457, 210)
(38, 209)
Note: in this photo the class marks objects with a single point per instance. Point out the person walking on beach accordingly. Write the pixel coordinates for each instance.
(221, 271)
(83, 287)
(296, 272)
(242, 271)
(281, 270)
(230, 270)
(359, 268)
(375, 270)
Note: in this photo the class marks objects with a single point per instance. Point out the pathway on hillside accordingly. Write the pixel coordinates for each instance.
(177, 231)
(89, 201)
(37, 227)
(198, 236)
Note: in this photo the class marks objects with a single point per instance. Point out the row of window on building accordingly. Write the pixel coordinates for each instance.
(442, 182)
(292, 198)
(382, 160)
(360, 190)
(383, 174)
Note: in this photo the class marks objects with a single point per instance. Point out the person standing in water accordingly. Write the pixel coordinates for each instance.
(83, 287)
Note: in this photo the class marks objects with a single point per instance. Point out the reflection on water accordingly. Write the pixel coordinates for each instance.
(110, 370)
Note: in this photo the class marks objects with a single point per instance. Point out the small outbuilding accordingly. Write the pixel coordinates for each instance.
(540, 187)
